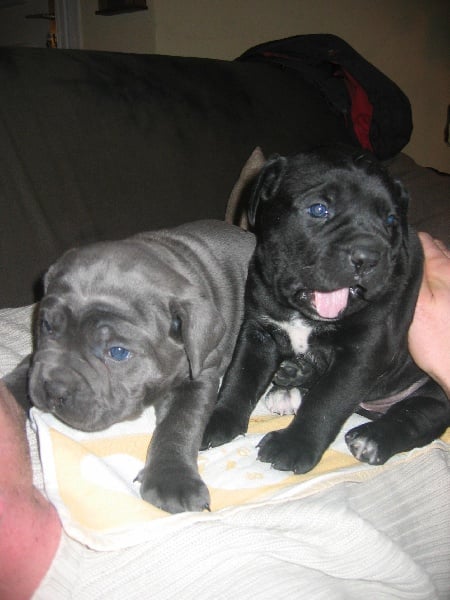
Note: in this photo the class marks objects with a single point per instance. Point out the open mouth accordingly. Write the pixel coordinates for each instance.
(330, 305)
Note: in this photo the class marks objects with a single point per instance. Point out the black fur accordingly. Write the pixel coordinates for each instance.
(363, 244)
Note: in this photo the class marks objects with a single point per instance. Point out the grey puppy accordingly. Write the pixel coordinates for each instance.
(151, 319)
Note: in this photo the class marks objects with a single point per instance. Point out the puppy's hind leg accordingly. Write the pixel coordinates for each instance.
(411, 423)
(282, 401)
(293, 380)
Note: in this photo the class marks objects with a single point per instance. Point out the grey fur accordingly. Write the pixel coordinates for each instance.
(173, 299)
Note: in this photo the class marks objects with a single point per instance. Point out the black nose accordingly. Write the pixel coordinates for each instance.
(57, 393)
(364, 259)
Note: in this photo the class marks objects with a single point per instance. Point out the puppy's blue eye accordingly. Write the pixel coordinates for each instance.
(118, 353)
(318, 210)
(392, 220)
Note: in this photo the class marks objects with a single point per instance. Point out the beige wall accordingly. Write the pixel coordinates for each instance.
(409, 40)
(16, 30)
(128, 32)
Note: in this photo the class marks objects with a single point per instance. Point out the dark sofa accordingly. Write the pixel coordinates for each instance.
(102, 145)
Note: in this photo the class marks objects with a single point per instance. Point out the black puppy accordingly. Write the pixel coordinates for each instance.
(332, 287)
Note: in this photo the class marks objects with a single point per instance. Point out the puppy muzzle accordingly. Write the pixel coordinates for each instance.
(69, 395)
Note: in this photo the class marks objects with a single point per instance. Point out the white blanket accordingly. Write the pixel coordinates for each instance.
(89, 477)
(346, 530)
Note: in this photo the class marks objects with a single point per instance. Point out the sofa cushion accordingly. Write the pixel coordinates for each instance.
(99, 145)
(429, 191)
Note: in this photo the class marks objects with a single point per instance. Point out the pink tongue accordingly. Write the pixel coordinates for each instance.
(330, 304)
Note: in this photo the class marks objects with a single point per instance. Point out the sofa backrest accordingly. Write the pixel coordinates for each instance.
(98, 145)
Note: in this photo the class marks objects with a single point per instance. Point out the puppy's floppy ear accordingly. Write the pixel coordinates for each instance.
(236, 212)
(48, 276)
(55, 269)
(199, 326)
(267, 184)
(402, 196)
(402, 201)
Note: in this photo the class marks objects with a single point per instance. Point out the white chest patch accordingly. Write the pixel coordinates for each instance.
(298, 332)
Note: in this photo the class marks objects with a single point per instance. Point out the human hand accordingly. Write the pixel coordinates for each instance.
(429, 334)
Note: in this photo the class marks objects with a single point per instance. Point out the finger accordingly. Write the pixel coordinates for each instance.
(433, 248)
(440, 244)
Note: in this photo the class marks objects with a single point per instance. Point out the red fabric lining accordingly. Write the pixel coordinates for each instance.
(361, 110)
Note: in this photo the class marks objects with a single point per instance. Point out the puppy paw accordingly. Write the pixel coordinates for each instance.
(283, 401)
(223, 426)
(365, 445)
(174, 491)
(286, 452)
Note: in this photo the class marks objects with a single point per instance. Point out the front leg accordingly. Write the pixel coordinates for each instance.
(410, 423)
(324, 409)
(255, 359)
(170, 478)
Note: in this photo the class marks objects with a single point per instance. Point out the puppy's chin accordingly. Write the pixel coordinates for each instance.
(81, 421)
(89, 415)
(92, 424)
(85, 424)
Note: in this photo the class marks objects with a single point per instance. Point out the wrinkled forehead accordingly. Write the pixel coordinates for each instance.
(97, 279)
(339, 183)
(101, 275)
(96, 308)
(68, 314)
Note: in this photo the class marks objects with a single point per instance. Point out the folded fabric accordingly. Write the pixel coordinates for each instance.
(89, 477)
